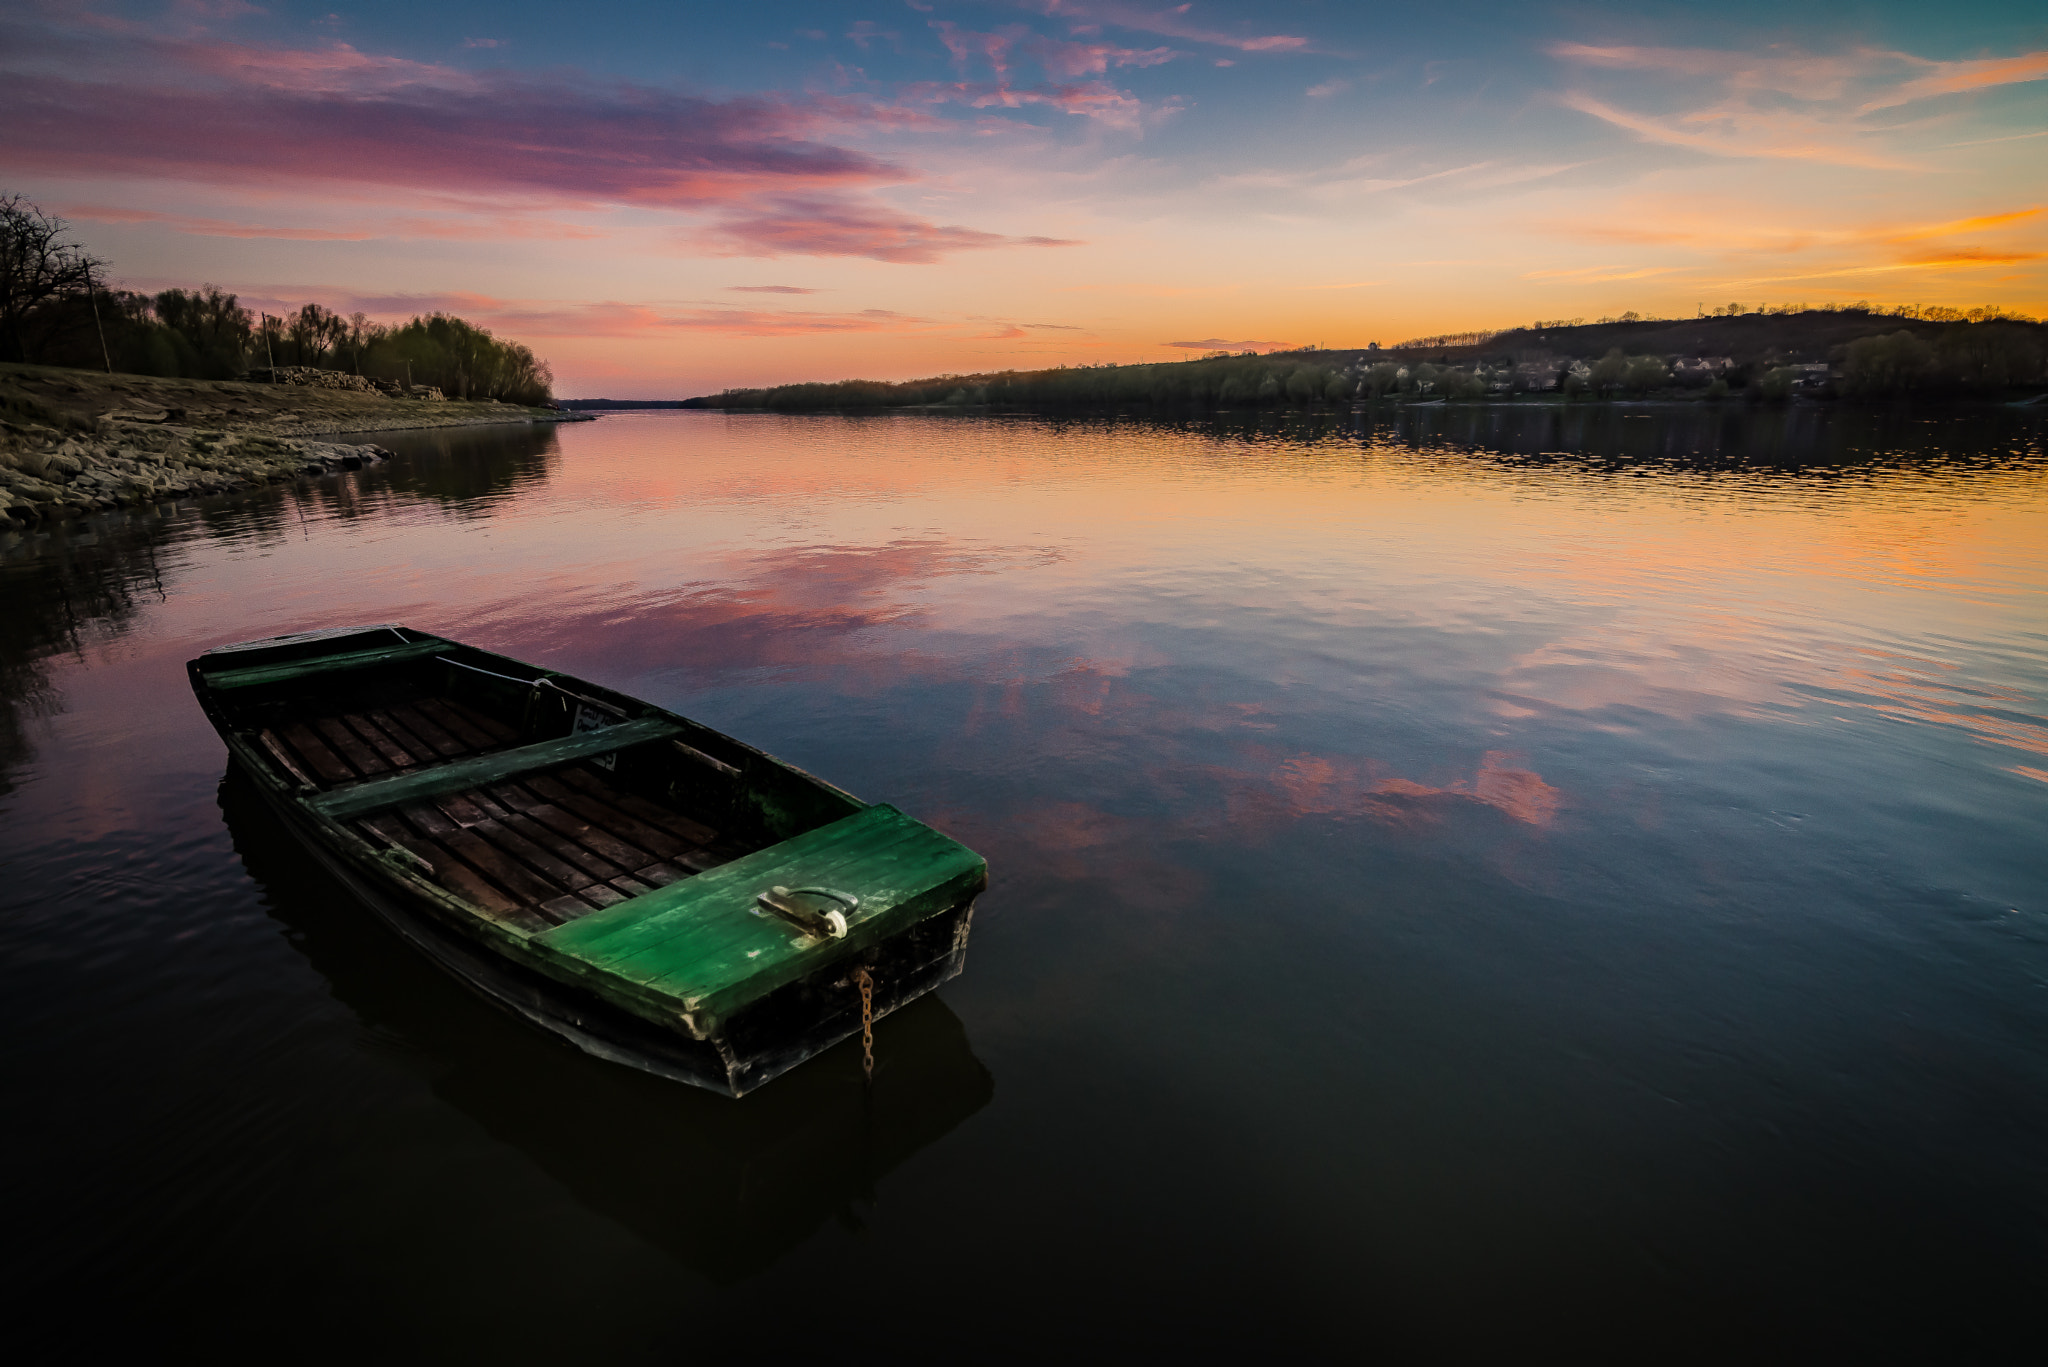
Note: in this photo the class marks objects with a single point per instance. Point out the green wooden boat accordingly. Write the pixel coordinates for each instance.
(646, 888)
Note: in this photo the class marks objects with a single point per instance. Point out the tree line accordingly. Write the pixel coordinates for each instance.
(57, 309)
(1947, 352)
(1218, 381)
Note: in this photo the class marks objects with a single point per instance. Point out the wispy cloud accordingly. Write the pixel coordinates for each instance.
(1756, 229)
(1167, 22)
(1953, 78)
(1732, 129)
(1784, 103)
(827, 227)
(1225, 344)
(772, 289)
(2009, 137)
(1068, 61)
(1600, 274)
(1742, 245)
(460, 229)
(545, 318)
(1064, 63)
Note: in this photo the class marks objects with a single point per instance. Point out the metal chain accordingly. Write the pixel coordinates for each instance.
(867, 1020)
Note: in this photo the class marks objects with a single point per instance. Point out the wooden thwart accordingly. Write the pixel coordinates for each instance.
(370, 795)
(325, 664)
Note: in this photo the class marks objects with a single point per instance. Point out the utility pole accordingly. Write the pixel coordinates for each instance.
(268, 354)
(96, 324)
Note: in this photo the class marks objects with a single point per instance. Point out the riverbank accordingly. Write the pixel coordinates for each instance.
(80, 441)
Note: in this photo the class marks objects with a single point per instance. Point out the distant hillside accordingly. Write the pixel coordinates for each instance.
(1812, 336)
(1846, 353)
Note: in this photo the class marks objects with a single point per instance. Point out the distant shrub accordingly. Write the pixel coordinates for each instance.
(1776, 384)
(1896, 363)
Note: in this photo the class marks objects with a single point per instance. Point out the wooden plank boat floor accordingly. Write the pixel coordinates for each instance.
(348, 746)
(535, 852)
(547, 849)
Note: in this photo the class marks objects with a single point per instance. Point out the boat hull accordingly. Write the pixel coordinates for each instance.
(772, 1036)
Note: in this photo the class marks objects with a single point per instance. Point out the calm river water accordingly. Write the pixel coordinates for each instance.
(1492, 882)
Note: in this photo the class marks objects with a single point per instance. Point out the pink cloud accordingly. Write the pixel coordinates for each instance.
(123, 103)
(1225, 344)
(819, 227)
(397, 227)
(218, 9)
(1168, 23)
(634, 147)
(1949, 78)
(1785, 103)
(608, 318)
(1065, 61)
(639, 320)
(1086, 99)
(965, 45)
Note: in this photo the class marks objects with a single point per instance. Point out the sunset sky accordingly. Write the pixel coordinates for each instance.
(665, 199)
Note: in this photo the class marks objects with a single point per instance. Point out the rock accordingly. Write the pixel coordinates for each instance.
(313, 376)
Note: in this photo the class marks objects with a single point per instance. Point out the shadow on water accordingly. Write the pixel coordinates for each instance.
(725, 1187)
(1783, 439)
(68, 586)
(80, 585)
(465, 465)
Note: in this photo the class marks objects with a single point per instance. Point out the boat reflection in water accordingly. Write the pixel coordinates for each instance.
(724, 1186)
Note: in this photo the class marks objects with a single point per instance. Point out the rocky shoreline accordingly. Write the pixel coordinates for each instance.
(78, 442)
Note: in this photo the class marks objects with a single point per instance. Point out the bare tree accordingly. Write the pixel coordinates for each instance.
(41, 268)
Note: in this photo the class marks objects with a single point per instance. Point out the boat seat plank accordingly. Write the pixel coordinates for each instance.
(476, 771)
(699, 942)
(327, 766)
(627, 936)
(251, 675)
